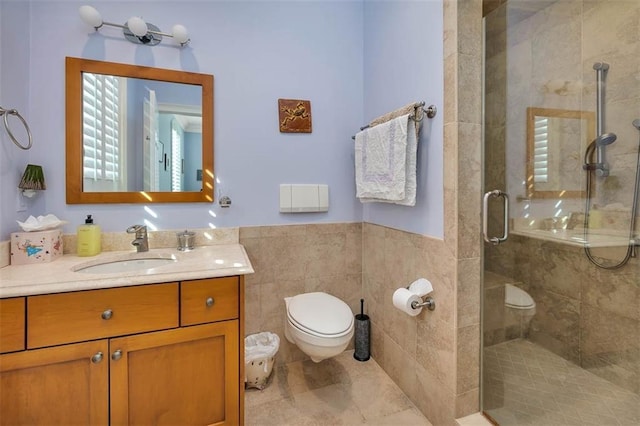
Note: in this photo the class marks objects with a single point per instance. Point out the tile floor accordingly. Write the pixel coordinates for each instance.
(526, 384)
(337, 391)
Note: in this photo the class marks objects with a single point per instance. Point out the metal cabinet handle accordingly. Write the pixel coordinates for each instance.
(485, 217)
(96, 358)
(116, 355)
(210, 301)
(107, 314)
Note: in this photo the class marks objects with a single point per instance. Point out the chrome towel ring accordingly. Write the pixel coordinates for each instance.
(5, 113)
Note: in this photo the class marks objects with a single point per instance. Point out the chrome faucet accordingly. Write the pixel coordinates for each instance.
(141, 242)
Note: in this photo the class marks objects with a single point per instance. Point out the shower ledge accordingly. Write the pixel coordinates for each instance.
(600, 237)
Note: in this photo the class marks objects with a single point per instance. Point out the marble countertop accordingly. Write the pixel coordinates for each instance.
(60, 275)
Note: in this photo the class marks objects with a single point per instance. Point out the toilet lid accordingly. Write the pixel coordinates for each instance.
(517, 298)
(320, 314)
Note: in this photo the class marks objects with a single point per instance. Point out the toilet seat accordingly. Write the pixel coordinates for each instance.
(320, 314)
(517, 298)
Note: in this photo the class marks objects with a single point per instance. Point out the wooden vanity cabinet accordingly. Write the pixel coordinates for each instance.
(169, 374)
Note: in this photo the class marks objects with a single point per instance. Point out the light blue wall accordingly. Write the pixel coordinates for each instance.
(335, 53)
(403, 63)
(14, 94)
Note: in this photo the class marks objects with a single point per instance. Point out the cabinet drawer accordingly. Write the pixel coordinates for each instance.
(12, 319)
(208, 300)
(85, 315)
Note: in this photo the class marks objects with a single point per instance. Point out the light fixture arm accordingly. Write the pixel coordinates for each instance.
(111, 24)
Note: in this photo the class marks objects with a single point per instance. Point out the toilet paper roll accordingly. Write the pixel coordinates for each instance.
(402, 299)
(421, 287)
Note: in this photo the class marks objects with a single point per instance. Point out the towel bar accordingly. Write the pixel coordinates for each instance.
(430, 112)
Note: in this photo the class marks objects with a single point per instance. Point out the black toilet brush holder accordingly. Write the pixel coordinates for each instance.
(362, 335)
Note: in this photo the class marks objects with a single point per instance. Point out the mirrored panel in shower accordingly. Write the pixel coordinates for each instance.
(561, 296)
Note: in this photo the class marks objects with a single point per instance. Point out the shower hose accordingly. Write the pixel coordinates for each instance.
(631, 248)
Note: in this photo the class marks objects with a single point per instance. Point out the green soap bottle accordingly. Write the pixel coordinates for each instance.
(88, 238)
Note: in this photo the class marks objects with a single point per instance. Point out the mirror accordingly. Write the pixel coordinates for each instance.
(556, 142)
(137, 134)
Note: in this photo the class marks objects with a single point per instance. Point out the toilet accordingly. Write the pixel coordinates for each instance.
(318, 323)
(517, 298)
(519, 305)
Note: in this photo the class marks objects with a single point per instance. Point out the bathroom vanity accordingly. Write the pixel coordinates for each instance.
(165, 348)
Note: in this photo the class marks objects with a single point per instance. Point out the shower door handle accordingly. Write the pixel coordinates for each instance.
(485, 217)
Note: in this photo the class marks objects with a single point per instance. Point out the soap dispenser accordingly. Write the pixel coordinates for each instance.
(88, 238)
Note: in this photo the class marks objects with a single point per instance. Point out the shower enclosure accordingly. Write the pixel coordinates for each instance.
(561, 282)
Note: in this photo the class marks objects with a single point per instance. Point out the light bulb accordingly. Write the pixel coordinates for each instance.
(90, 16)
(179, 33)
(137, 26)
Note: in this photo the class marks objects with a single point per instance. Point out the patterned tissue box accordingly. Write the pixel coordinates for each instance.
(36, 247)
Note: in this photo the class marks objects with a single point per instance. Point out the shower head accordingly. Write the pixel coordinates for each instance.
(598, 147)
(636, 123)
(605, 139)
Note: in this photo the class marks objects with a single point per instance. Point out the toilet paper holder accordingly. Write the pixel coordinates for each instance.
(429, 302)
(414, 297)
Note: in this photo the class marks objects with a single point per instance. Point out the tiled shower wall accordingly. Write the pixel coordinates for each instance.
(586, 314)
(541, 54)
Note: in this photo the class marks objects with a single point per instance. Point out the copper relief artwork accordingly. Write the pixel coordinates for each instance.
(294, 115)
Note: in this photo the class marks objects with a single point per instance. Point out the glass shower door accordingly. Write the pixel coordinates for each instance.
(561, 326)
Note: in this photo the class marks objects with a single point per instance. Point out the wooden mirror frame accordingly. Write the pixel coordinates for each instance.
(74, 155)
(532, 112)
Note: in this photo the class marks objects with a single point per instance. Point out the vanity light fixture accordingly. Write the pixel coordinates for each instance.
(136, 30)
(32, 181)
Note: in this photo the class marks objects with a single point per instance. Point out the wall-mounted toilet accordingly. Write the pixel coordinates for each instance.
(320, 324)
(520, 308)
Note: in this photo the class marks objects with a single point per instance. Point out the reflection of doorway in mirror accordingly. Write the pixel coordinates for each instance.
(151, 167)
(187, 159)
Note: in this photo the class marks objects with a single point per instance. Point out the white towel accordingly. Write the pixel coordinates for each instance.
(385, 160)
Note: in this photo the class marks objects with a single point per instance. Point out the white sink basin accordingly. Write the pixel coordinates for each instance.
(116, 266)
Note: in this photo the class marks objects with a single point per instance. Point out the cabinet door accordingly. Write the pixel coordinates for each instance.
(12, 320)
(65, 385)
(187, 376)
